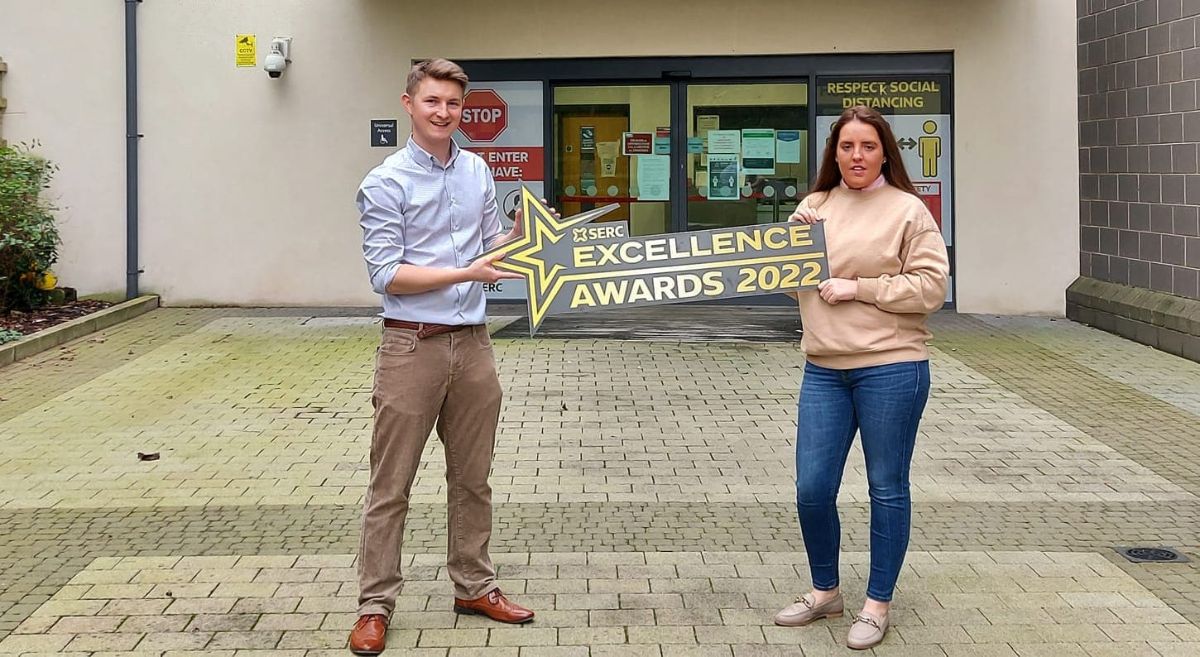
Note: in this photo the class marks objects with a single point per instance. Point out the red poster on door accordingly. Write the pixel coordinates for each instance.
(637, 143)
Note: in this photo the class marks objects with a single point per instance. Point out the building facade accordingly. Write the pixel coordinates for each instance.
(691, 119)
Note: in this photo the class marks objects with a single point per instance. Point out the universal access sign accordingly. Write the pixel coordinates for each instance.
(570, 266)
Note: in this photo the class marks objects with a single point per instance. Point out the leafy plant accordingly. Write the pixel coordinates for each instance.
(9, 335)
(28, 237)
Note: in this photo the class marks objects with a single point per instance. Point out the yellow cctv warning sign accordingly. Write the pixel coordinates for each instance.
(247, 50)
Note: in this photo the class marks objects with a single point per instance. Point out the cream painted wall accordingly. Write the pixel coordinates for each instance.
(68, 94)
(248, 182)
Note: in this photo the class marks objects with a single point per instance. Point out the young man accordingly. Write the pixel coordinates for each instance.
(426, 212)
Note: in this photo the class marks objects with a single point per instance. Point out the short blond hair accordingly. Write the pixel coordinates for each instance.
(438, 69)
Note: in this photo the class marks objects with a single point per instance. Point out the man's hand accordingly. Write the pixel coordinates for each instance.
(516, 229)
(517, 215)
(484, 270)
(514, 232)
(835, 290)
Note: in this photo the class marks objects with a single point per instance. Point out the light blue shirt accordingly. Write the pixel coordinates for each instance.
(414, 211)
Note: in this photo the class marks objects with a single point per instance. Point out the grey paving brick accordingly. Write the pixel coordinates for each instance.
(1043, 447)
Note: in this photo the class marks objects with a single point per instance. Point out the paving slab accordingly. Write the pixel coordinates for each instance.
(643, 487)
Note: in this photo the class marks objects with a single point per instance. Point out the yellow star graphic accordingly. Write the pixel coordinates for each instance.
(523, 255)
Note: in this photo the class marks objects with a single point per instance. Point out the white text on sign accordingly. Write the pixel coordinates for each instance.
(481, 115)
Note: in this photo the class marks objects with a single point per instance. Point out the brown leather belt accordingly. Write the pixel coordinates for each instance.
(424, 329)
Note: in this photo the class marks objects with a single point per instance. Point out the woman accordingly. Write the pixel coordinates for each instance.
(867, 366)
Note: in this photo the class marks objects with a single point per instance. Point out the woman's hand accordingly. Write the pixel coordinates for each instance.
(805, 215)
(835, 290)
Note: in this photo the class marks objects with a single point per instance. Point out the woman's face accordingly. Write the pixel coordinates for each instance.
(859, 154)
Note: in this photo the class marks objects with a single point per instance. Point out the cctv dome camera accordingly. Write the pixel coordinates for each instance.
(274, 65)
(277, 60)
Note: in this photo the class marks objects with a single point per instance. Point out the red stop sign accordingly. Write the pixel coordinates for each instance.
(485, 115)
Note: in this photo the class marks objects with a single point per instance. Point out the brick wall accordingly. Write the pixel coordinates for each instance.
(1139, 128)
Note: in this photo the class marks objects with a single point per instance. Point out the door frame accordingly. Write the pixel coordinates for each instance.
(624, 71)
(678, 71)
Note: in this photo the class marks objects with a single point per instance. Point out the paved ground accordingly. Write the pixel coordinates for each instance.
(643, 488)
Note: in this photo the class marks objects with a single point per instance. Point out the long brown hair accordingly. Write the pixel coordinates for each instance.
(830, 176)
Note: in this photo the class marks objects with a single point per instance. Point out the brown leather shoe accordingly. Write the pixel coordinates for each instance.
(495, 606)
(369, 634)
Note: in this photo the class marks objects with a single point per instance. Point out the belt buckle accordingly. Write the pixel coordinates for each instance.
(426, 330)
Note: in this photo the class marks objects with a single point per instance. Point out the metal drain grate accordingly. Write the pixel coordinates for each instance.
(1151, 554)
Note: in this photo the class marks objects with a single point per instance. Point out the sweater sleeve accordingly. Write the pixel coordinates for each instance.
(920, 287)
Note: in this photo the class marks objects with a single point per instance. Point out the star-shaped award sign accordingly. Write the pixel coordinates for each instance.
(570, 267)
(535, 254)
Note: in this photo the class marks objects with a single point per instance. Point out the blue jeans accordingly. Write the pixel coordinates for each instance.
(884, 403)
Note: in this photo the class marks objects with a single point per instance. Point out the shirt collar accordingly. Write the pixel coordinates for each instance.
(879, 182)
(428, 161)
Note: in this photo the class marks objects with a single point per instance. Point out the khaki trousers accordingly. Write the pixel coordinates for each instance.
(448, 381)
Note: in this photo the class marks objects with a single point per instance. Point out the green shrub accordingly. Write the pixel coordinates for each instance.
(9, 335)
(28, 237)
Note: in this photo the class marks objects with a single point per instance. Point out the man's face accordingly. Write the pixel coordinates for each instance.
(436, 109)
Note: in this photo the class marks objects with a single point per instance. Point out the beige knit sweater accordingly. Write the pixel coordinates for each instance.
(887, 240)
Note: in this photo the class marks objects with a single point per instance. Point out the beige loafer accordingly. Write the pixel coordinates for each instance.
(866, 631)
(805, 610)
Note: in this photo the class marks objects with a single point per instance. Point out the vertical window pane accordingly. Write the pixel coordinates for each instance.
(611, 145)
(747, 160)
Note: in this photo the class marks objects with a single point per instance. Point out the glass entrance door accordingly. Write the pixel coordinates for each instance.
(612, 145)
(694, 143)
(747, 159)
(743, 159)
